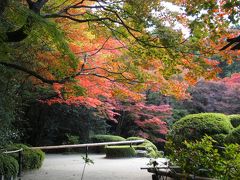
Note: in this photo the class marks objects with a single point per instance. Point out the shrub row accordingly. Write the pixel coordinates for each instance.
(32, 159)
(106, 138)
(124, 151)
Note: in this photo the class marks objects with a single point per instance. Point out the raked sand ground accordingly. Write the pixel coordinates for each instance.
(69, 167)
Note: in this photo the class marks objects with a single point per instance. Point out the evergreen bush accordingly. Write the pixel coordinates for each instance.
(195, 126)
(120, 151)
(32, 159)
(203, 158)
(8, 165)
(147, 145)
(104, 138)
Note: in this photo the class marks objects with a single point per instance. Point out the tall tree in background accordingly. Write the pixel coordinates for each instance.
(215, 96)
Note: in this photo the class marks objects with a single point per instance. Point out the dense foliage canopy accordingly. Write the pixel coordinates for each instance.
(100, 54)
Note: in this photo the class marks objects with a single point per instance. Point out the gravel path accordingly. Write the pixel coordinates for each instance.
(69, 167)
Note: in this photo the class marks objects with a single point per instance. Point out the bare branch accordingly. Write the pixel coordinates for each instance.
(100, 47)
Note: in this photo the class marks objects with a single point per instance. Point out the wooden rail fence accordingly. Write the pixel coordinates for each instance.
(89, 145)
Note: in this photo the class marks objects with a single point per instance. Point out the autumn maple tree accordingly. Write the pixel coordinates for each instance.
(96, 52)
(151, 120)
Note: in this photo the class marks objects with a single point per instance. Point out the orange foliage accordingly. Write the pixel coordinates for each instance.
(105, 74)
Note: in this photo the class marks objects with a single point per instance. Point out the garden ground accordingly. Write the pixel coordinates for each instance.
(69, 167)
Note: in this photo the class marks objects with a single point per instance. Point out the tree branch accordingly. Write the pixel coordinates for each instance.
(130, 29)
(232, 41)
(32, 73)
(75, 19)
(45, 80)
(68, 78)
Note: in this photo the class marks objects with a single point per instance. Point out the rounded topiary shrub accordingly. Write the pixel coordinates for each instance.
(147, 145)
(104, 138)
(8, 166)
(195, 126)
(233, 136)
(119, 151)
(32, 159)
(235, 120)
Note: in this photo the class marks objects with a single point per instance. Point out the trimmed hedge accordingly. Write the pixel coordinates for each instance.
(8, 165)
(106, 138)
(120, 151)
(195, 126)
(32, 159)
(233, 136)
(147, 145)
(235, 120)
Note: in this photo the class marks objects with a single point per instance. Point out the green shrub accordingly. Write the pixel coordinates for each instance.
(32, 159)
(147, 145)
(146, 142)
(8, 165)
(235, 120)
(231, 162)
(220, 138)
(104, 138)
(233, 136)
(203, 159)
(195, 126)
(119, 151)
(194, 156)
(71, 139)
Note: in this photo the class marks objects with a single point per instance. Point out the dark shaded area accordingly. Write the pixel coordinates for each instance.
(3, 4)
(51, 125)
(18, 35)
